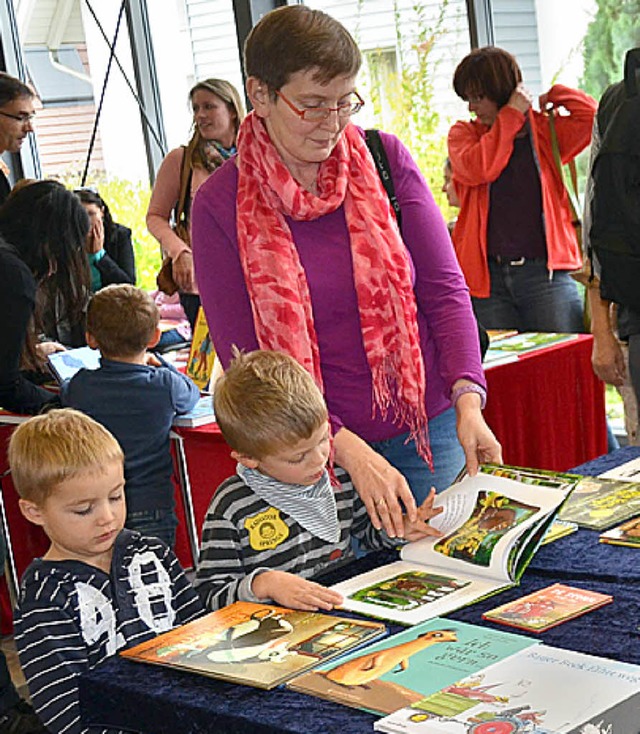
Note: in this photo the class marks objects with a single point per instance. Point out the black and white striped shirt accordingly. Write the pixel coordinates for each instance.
(242, 534)
(71, 616)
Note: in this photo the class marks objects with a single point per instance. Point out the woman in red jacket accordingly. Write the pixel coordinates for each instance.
(514, 237)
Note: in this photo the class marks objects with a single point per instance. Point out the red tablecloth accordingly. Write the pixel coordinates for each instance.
(547, 409)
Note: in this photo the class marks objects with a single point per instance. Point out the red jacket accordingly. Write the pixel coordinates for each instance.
(479, 155)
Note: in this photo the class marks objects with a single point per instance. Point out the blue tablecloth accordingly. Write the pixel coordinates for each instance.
(155, 700)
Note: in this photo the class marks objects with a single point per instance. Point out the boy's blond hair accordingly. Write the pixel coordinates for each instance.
(266, 401)
(49, 449)
(122, 319)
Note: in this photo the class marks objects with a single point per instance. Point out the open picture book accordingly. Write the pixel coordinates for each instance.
(491, 526)
(66, 363)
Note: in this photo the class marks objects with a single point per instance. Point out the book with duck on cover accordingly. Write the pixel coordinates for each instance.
(409, 665)
(490, 526)
(202, 355)
(547, 607)
(540, 689)
(257, 645)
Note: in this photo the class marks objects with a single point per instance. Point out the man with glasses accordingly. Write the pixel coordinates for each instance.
(16, 117)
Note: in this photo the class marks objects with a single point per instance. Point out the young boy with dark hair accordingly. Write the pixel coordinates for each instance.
(98, 588)
(278, 522)
(136, 396)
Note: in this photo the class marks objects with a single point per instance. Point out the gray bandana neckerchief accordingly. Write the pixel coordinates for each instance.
(314, 506)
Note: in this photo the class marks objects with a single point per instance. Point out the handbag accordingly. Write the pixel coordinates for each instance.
(164, 279)
(584, 275)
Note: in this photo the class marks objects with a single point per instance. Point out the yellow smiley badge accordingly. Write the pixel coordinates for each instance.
(266, 530)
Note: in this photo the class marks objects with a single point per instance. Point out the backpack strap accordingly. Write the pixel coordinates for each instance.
(374, 143)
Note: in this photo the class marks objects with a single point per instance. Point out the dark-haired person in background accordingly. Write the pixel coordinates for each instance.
(108, 246)
(16, 114)
(43, 228)
(514, 237)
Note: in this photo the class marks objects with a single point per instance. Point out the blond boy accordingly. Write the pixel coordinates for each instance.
(278, 522)
(98, 588)
(136, 395)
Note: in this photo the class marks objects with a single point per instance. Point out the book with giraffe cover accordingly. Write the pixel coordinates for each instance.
(491, 526)
(401, 669)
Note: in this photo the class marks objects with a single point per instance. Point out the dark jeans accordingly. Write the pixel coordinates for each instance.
(528, 297)
(156, 523)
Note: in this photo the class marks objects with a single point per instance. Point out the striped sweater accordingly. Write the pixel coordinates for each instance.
(243, 535)
(71, 616)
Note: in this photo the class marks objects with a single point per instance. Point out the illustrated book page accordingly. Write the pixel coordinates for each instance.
(257, 645)
(626, 534)
(490, 526)
(409, 665)
(202, 354)
(547, 607)
(521, 694)
(599, 504)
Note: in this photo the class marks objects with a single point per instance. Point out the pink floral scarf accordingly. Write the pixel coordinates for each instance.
(276, 281)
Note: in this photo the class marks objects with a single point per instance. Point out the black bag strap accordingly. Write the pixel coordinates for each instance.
(374, 143)
(183, 205)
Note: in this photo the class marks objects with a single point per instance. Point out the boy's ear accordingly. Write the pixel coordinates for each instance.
(31, 511)
(245, 460)
(91, 340)
(155, 338)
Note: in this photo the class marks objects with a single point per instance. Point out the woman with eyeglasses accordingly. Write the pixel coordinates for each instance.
(108, 246)
(297, 250)
(514, 235)
(217, 114)
(42, 234)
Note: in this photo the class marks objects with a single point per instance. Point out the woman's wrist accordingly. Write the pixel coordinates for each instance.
(95, 257)
(468, 388)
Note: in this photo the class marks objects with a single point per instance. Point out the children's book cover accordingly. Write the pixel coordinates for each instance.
(559, 529)
(255, 644)
(626, 534)
(401, 669)
(547, 607)
(491, 527)
(599, 504)
(530, 341)
(541, 689)
(202, 354)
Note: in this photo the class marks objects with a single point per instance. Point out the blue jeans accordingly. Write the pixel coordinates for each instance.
(448, 456)
(528, 297)
(156, 523)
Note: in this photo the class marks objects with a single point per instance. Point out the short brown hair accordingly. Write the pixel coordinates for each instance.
(266, 401)
(49, 449)
(489, 72)
(296, 38)
(11, 88)
(122, 319)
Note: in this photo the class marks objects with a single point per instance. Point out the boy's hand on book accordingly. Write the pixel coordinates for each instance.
(421, 528)
(294, 592)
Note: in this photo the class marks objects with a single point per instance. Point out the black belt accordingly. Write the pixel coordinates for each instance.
(514, 261)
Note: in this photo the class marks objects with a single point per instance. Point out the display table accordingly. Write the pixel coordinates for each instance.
(547, 408)
(145, 698)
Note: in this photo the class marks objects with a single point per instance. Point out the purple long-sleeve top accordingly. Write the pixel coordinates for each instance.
(448, 331)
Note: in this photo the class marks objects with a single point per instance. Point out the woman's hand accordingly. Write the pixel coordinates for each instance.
(421, 528)
(475, 436)
(380, 486)
(607, 359)
(95, 238)
(44, 349)
(520, 99)
(182, 268)
(294, 592)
